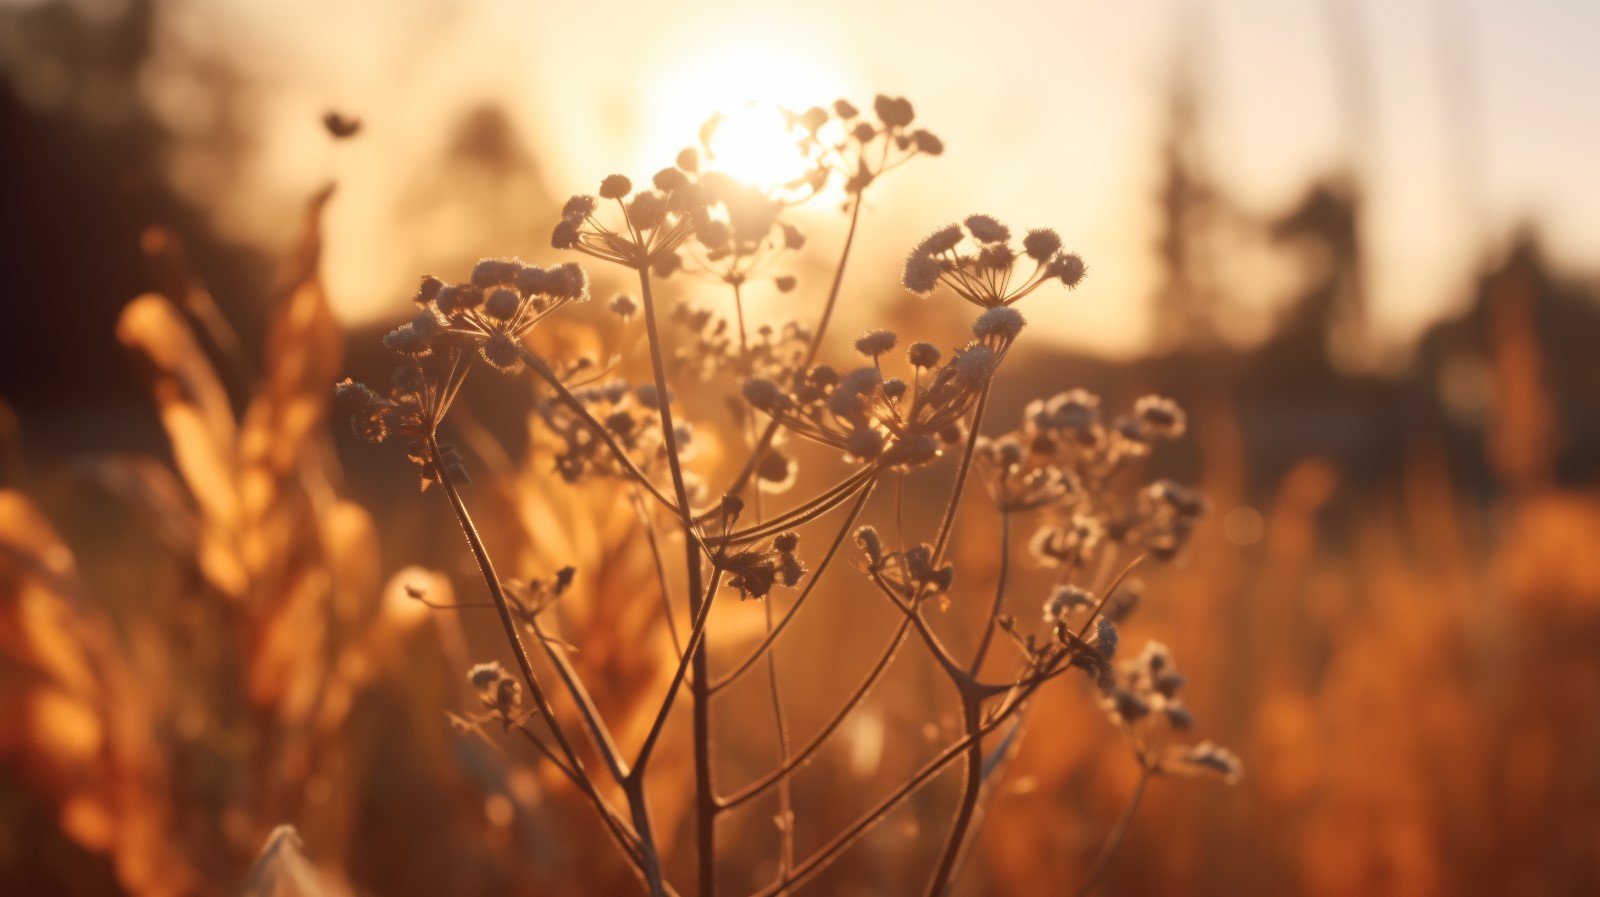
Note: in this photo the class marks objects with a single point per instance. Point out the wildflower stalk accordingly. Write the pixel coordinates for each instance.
(950, 509)
(774, 690)
(999, 594)
(971, 708)
(705, 797)
(696, 637)
(1102, 861)
(972, 785)
(649, 528)
(647, 864)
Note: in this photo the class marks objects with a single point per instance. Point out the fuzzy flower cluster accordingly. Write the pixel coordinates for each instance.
(492, 312)
(629, 413)
(1142, 699)
(977, 261)
(485, 317)
(900, 422)
(500, 693)
(1068, 461)
(885, 141)
(753, 571)
(654, 221)
(419, 395)
(914, 574)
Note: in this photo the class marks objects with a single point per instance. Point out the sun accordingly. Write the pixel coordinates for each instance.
(745, 93)
(754, 143)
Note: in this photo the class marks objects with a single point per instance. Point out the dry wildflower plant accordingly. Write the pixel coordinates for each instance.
(1067, 469)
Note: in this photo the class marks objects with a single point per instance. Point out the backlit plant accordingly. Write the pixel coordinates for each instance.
(1068, 470)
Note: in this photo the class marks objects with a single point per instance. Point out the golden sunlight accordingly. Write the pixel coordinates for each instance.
(755, 144)
(743, 94)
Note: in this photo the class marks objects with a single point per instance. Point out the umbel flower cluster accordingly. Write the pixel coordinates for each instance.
(909, 415)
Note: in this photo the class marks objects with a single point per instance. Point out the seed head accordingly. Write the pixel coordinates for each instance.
(428, 290)
(1105, 637)
(494, 272)
(1069, 267)
(349, 392)
(502, 304)
(845, 109)
(406, 340)
(1001, 322)
(940, 241)
(921, 274)
(615, 186)
(1064, 601)
(1041, 244)
(648, 210)
(865, 444)
(785, 283)
(985, 229)
(1160, 417)
(567, 281)
(974, 365)
(580, 206)
(923, 355)
(532, 279)
(713, 233)
(867, 539)
(565, 234)
(500, 350)
(874, 343)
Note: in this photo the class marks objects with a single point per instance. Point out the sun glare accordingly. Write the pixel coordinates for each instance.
(746, 92)
(755, 144)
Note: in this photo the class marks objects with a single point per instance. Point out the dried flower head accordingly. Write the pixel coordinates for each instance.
(986, 275)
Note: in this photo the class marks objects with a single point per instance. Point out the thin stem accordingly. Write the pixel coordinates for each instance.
(649, 528)
(774, 689)
(651, 871)
(803, 754)
(972, 785)
(999, 593)
(971, 705)
(816, 576)
(961, 477)
(1114, 838)
(802, 514)
(696, 636)
(705, 797)
(605, 745)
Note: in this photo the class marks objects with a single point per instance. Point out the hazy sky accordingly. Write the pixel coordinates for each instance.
(1477, 116)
